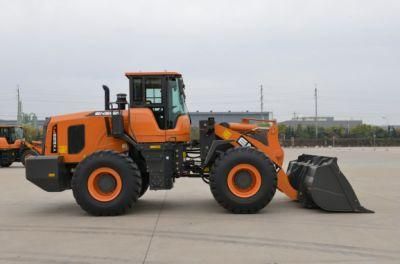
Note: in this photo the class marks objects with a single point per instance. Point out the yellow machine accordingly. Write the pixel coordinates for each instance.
(13, 146)
(111, 157)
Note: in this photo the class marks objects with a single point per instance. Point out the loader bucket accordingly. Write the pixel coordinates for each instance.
(321, 184)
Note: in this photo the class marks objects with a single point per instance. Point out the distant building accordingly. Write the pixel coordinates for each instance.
(8, 122)
(38, 123)
(226, 116)
(327, 121)
(195, 117)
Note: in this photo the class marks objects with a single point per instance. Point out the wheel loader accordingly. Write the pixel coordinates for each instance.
(111, 157)
(13, 146)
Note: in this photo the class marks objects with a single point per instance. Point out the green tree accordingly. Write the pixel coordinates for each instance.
(364, 131)
(361, 131)
(396, 132)
(31, 133)
(29, 119)
(283, 130)
(302, 132)
(337, 132)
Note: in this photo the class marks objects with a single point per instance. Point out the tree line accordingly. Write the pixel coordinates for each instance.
(287, 133)
(357, 132)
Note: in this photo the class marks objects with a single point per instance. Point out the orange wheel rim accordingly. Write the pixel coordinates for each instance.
(97, 191)
(252, 177)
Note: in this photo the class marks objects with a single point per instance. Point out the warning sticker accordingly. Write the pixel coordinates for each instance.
(243, 142)
(226, 134)
(62, 149)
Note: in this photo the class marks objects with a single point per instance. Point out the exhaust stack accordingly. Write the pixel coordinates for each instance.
(106, 97)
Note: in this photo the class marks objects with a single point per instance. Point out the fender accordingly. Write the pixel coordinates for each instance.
(216, 146)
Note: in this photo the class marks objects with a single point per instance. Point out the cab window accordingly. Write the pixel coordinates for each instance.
(4, 132)
(136, 92)
(153, 91)
(176, 101)
(19, 133)
(154, 99)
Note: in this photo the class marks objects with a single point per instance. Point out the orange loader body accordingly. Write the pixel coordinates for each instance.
(110, 158)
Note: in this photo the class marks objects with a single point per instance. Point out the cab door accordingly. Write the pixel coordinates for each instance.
(148, 106)
(178, 121)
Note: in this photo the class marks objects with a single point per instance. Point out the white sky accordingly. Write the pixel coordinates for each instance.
(61, 52)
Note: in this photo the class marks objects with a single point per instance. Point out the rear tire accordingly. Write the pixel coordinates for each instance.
(5, 164)
(243, 180)
(145, 185)
(145, 176)
(27, 153)
(106, 183)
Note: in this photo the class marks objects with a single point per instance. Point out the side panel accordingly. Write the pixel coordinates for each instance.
(181, 132)
(161, 164)
(144, 127)
(5, 145)
(95, 131)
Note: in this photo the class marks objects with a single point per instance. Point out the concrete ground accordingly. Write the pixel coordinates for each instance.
(186, 225)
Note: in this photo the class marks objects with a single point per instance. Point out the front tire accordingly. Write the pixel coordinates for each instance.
(243, 180)
(106, 183)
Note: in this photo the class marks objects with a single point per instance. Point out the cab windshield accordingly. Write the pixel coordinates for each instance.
(19, 133)
(11, 133)
(176, 99)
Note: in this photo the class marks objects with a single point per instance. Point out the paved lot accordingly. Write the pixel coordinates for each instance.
(186, 225)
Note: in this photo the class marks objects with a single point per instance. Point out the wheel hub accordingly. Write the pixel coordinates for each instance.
(106, 183)
(243, 179)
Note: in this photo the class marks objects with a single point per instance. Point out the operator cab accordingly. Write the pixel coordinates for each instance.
(11, 133)
(162, 92)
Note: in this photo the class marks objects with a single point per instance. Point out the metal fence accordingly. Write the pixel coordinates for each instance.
(341, 142)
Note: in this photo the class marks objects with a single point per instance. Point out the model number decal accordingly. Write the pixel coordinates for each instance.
(54, 139)
(243, 142)
(104, 113)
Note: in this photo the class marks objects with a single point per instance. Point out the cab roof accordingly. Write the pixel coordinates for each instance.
(141, 74)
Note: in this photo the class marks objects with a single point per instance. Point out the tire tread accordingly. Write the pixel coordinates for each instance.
(221, 199)
(133, 195)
